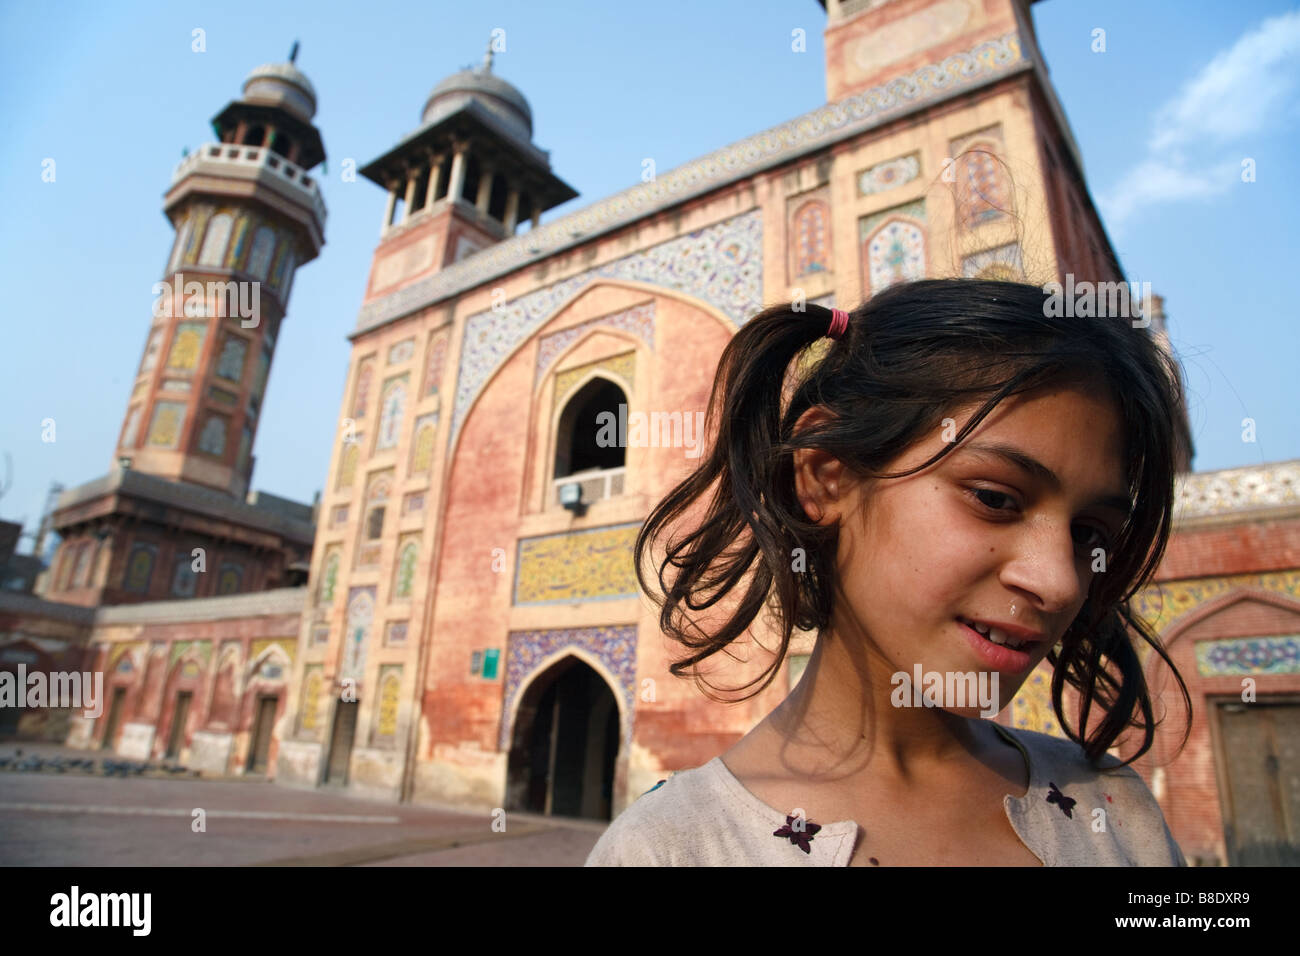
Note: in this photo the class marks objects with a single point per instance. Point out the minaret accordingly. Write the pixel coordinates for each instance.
(173, 518)
(247, 214)
(462, 181)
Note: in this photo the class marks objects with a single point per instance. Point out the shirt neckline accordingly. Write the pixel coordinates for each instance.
(1035, 781)
(742, 793)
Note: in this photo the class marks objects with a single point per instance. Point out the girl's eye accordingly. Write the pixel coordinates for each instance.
(1100, 539)
(997, 501)
(990, 498)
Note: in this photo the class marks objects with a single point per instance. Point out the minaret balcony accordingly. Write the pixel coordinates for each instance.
(254, 162)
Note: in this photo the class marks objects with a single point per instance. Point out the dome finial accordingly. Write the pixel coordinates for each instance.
(293, 53)
(491, 92)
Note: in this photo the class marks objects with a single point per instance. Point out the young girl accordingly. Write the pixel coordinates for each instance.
(964, 485)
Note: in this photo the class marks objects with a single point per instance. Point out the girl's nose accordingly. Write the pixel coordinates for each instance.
(1045, 567)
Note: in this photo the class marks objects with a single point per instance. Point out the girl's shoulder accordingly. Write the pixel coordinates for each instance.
(659, 826)
(1060, 757)
(706, 817)
(1093, 814)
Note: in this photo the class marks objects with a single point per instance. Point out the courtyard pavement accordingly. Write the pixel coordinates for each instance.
(76, 819)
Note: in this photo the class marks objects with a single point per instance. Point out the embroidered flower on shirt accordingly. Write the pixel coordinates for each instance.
(1066, 804)
(799, 837)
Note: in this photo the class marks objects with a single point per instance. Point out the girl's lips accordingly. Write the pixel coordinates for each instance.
(998, 656)
(1011, 633)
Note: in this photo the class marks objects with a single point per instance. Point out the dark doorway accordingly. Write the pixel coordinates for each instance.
(565, 745)
(345, 729)
(260, 751)
(9, 717)
(114, 717)
(176, 739)
(580, 437)
(1259, 781)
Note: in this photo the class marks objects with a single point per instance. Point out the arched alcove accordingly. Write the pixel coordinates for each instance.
(581, 442)
(565, 744)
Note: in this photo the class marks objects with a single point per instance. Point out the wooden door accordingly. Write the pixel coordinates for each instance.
(1259, 779)
(261, 749)
(345, 728)
(114, 716)
(181, 712)
(9, 717)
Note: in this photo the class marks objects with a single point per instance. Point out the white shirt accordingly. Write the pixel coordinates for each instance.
(706, 817)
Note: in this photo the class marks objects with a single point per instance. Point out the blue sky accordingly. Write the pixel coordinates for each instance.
(1182, 94)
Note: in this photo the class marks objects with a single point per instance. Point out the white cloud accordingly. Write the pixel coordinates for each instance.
(1242, 91)
(1156, 181)
(1238, 91)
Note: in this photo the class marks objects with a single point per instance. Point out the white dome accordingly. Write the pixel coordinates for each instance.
(484, 86)
(284, 85)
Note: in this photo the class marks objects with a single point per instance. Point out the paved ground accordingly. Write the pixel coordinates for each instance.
(51, 819)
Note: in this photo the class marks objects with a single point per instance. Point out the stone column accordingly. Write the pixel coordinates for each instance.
(435, 173)
(512, 210)
(484, 190)
(388, 210)
(410, 196)
(457, 182)
(537, 215)
(103, 557)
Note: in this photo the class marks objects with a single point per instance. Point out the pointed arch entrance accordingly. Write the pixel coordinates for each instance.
(565, 744)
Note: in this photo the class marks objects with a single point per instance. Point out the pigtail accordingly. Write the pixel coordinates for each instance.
(1104, 667)
(753, 521)
(1099, 654)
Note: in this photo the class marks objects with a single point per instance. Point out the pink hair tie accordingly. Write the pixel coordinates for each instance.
(839, 322)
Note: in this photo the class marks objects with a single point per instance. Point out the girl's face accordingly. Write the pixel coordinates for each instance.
(1002, 530)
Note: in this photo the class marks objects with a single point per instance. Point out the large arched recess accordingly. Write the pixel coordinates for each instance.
(564, 742)
(637, 292)
(483, 514)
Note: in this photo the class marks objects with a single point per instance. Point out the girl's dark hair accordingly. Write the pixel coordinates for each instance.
(913, 353)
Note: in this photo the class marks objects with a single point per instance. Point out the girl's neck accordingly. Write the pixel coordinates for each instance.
(838, 719)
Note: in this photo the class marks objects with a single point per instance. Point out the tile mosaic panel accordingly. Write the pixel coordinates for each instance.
(390, 694)
(811, 230)
(1164, 605)
(168, 420)
(1031, 708)
(1248, 656)
(624, 366)
(356, 636)
(309, 722)
(639, 320)
(888, 175)
(527, 651)
(426, 433)
(591, 565)
(187, 345)
(401, 351)
(1202, 494)
(437, 360)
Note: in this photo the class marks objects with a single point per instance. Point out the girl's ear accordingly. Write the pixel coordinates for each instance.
(818, 476)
